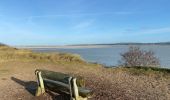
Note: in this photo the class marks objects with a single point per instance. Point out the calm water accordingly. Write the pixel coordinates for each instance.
(111, 55)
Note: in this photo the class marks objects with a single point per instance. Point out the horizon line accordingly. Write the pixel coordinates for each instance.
(96, 44)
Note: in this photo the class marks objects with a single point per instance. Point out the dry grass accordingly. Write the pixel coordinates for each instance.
(13, 54)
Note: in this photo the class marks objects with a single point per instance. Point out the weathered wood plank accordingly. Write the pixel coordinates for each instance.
(57, 81)
(59, 86)
(57, 76)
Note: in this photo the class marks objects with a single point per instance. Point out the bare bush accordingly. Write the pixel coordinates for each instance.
(137, 57)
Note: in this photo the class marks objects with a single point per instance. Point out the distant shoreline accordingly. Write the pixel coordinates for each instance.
(89, 45)
(66, 47)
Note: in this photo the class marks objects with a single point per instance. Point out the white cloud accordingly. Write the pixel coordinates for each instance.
(31, 19)
(123, 13)
(155, 31)
(81, 14)
(148, 31)
(83, 25)
(11, 31)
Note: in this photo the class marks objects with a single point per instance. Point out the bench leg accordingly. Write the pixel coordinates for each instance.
(70, 88)
(76, 92)
(75, 89)
(40, 89)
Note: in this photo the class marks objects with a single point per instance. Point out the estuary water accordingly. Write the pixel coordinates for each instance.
(110, 55)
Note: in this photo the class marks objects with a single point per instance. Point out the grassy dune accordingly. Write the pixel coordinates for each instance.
(122, 83)
(13, 54)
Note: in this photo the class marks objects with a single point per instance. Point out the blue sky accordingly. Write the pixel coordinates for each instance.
(63, 22)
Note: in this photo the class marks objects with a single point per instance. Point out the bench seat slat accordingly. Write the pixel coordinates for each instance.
(56, 81)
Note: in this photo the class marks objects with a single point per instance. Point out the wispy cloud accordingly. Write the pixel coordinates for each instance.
(121, 13)
(13, 31)
(82, 14)
(149, 31)
(83, 25)
(157, 30)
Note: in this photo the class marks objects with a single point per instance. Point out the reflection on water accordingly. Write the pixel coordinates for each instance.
(111, 55)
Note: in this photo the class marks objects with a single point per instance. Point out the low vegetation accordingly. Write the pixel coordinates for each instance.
(13, 54)
(148, 71)
(137, 57)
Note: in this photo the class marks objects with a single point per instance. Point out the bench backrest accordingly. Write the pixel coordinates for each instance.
(57, 81)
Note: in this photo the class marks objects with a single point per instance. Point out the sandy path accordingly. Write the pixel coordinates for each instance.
(18, 82)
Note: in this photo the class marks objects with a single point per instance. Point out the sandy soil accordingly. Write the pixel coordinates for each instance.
(18, 82)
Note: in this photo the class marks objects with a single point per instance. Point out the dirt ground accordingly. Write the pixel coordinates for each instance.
(18, 82)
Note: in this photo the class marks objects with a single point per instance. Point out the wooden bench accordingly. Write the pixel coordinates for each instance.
(56, 81)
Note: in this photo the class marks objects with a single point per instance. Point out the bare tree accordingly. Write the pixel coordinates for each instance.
(137, 57)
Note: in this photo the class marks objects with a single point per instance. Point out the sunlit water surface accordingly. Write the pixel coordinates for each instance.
(110, 55)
